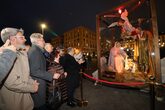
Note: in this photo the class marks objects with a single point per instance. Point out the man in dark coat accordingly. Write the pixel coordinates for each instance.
(38, 70)
(72, 67)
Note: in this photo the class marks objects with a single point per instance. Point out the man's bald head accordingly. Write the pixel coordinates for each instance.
(48, 47)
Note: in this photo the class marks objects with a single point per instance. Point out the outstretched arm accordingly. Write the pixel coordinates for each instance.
(113, 24)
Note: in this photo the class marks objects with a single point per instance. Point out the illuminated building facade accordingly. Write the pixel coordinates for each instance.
(57, 41)
(162, 40)
(81, 38)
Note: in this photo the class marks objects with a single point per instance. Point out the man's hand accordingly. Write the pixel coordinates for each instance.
(11, 47)
(8, 46)
(7, 43)
(65, 74)
(56, 76)
(36, 84)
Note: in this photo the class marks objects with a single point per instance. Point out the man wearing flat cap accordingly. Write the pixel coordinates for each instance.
(17, 86)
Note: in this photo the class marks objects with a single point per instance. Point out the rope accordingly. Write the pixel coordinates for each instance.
(114, 83)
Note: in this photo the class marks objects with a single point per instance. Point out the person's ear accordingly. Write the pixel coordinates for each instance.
(37, 40)
(12, 38)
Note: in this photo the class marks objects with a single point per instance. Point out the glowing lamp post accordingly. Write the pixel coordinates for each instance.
(43, 26)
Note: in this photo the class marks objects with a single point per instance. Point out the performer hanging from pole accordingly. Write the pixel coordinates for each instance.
(127, 29)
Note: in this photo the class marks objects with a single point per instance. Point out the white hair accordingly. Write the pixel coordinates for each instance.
(34, 37)
(69, 49)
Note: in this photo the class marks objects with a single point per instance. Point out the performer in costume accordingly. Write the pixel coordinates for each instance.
(127, 29)
(145, 45)
(116, 58)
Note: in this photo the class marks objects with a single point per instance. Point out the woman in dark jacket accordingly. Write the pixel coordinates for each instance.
(55, 68)
(72, 67)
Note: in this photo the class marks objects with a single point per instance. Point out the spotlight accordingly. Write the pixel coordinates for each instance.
(119, 11)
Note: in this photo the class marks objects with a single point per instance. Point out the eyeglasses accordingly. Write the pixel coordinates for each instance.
(20, 37)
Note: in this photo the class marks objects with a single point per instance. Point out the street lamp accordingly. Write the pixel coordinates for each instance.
(43, 26)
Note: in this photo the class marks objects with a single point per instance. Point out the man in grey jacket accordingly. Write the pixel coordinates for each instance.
(7, 54)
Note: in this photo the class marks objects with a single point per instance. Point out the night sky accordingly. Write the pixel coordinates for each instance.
(60, 15)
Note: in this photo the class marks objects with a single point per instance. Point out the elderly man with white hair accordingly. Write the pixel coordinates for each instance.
(38, 70)
(49, 48)
(48, 54)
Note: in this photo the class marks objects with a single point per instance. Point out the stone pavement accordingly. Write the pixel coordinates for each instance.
(107, 98)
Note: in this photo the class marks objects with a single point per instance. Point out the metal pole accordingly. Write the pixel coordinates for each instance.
(82, 102)
(152, 96)
(81, 84)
